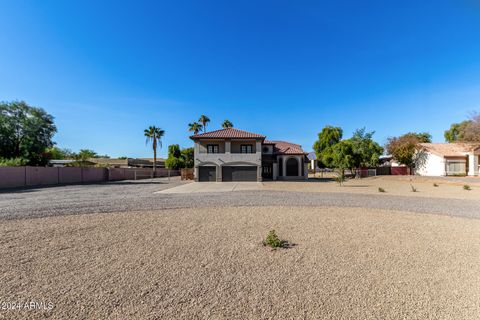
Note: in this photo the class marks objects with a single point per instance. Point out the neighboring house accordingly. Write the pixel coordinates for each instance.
(112, 162)
(235, 155)
(128, 162)
(388, 161)
(60, 163)
(443, 159)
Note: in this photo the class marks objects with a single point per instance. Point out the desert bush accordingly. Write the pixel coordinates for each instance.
(435, 185)
(381, 190)
(272, 240)
(13, 162)
(467, 187)
(340, 176)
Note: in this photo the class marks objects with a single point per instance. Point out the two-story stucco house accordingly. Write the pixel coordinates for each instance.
(236, 155)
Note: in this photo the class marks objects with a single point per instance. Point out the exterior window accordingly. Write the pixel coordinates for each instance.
(246, 148)
(456, 168)
(212, 148)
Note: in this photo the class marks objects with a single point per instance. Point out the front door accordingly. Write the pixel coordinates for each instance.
(267, 171)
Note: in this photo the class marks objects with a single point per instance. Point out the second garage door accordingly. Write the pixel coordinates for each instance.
(239, 173)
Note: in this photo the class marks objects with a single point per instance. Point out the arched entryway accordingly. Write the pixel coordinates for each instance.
(292, 167)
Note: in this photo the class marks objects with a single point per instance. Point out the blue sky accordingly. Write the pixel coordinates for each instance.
(108, 69)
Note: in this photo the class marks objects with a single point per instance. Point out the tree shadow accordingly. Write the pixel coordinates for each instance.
(284, 244)
(356, 186)
(320, 180)
(30, 189)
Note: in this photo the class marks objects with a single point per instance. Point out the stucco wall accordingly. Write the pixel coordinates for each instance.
(235, 145)
(268, 148)
(301, 167)
(37, 176)
(434, 166)
(202, 145)
(12, 177)
(70, 175)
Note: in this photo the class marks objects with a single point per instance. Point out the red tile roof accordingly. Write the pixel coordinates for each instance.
(228, 133)
(283, 147)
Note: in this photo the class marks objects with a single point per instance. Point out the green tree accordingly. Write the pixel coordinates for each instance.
(59, 153)
(366, 152)
(195, 127)
(465, 131)
(84, 154)
(204, 120)
(227, 124)
(174, 150)
(13, 162)
(404, 148)
(175, 159)
(25, 131)
(456, 131)
(187, 154)
(471, 133)
(343, 156)
(323, 147)
(154, 135)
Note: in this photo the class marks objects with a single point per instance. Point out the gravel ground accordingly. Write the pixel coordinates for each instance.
(139, 196)
(209, 263)
(446, 187)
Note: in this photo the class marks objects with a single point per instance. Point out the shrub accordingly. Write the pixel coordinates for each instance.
(273, 241)
(13, 162)
(467, 187)
(381, 190)
(435, 185)
(413, 188)
(340, 177)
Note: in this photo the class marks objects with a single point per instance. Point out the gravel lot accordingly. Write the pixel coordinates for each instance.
(139, 196)
(189, 256)
(209, 263)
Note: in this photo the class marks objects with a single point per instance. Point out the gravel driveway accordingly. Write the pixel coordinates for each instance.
(140, 196)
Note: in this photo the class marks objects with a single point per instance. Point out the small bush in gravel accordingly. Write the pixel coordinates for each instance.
(435, 185)
(467, 187)
(273, 241)
(381, 190)
(413, 188)
(340, 177)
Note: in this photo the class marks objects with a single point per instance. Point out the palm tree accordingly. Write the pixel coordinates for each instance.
(195, 127)
(227, 124)
(154, 135)
(204, 120)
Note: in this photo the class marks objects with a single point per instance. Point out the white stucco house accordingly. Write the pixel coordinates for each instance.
(444, 159)
(235, 155)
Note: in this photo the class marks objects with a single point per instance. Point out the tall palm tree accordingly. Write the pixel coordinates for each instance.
(195, 127)
(227, 124)
(204, 120)
(154, 135)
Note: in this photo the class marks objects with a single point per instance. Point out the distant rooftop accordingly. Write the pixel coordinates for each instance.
(456, 149)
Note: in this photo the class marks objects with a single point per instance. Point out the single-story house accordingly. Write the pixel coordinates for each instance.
(235, 155)
(444, 159)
